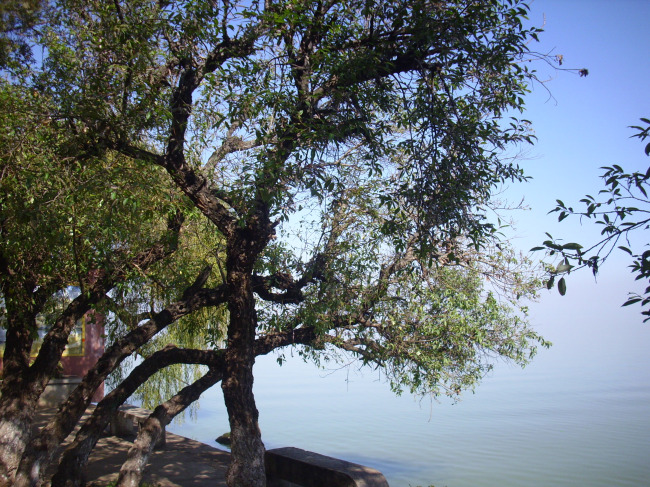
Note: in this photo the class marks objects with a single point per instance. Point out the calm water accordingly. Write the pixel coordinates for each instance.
(579, 415)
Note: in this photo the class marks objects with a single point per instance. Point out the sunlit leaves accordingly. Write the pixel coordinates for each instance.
(382, 118)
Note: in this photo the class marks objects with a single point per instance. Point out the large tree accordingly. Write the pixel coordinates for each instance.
(344, 153)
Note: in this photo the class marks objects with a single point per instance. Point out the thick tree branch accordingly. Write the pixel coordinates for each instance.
(149, 432)
(71, 466)
(262, 285)
(193, 184)
(78, 401)
(272, 341)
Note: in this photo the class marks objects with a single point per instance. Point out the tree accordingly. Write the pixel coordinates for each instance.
(621, 209)
(58, 229)
(17, 18)
(344, 153)
(60, 232)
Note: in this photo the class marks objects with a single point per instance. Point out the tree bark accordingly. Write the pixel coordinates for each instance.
(19, 395)
(17, 412)
(35, 380)
(247, 460)
(149, 432)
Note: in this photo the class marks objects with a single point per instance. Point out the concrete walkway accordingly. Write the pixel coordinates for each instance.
(181, 463)
(187, 463)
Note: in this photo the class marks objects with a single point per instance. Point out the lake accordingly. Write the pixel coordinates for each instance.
(578, 415)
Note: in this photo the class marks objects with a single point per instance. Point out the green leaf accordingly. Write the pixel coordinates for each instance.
(550, 282)
(631, 301)
(625, 249)
(551, 245)
(571, 246)
(561, 286)
(535, 249)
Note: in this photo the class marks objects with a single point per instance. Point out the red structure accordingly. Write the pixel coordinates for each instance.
(80, 357)
(85, 346)
(90, 349)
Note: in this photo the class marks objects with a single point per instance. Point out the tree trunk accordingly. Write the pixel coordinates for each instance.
(41, 371)
(19, 396)
(149, 432)
(24, 384)
(17, 413)
(247, 460)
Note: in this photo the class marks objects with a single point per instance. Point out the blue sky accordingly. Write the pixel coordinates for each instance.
(585, 124)
(581, 126)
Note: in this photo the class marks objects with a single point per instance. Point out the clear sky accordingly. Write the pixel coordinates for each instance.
(582, 124)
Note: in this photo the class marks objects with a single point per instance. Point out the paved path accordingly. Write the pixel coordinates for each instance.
(181, 463)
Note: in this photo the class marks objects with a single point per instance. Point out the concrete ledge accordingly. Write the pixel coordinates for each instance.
(57, 391)
(293, 467)
(127, 420)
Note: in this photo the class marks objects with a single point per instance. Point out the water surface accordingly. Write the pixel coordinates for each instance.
(578, 415)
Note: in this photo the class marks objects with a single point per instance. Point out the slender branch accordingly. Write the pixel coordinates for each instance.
(229, 145)
(393, 63)
(353, 346)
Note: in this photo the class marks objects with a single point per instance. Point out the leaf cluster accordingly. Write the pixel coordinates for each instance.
(17, 19)
(621, 209)
(432, 325)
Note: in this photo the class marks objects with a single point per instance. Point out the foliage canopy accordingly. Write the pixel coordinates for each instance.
(320, 173)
